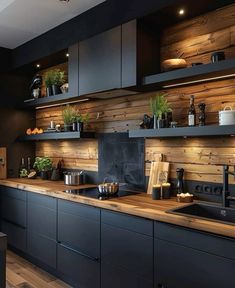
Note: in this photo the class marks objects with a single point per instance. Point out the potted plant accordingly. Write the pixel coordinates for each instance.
(44, 166)
(48, 82)
(160, 109)
(80, 121)
(58, 79)
(69, 117)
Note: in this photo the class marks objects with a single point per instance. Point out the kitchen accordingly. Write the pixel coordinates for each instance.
(117, 147)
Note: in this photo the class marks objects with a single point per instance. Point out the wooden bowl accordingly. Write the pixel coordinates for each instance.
(186, 199)
(172, 64)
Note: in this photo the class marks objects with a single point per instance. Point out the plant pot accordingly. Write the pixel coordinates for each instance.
(43, 175)
(49, 91)
(169, 118)
(160, 123)
(68, 128)
(80, 126)
(74, 126)
(154, 122)
(56, 90)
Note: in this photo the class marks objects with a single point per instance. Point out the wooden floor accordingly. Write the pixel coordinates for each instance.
(22, 274)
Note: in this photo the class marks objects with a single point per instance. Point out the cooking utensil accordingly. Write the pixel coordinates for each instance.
(227, 116)
(108, 188)
(3, 163)
(73, 178)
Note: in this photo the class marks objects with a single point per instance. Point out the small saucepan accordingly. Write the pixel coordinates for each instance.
(108, 188)
(73, 178)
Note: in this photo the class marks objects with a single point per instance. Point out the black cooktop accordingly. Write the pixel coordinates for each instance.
(94, 193)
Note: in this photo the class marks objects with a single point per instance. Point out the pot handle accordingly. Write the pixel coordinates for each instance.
(228, 108)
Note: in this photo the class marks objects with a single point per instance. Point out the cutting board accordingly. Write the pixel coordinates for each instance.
(158, 174)
(3, 163)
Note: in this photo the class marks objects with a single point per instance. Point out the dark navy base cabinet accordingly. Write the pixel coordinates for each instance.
(186, 258)
(126, 251)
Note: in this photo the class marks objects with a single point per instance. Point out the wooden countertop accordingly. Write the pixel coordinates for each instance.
(139, 205)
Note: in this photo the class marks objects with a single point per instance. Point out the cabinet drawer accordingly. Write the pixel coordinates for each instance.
(13, 193)
(42, 215)
(179, 266)
(116, 277)
(128, 222)
(16, 236)
(42, 248)
(128, 250)
(14, 210)
(210, 243)
(83, 272)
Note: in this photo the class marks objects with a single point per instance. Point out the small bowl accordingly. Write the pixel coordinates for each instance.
(186, 199)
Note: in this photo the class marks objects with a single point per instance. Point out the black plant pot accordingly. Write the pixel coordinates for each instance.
(80, 126)
(68, 128)
(44, 175)
(49, 91)
(169, 118)
(74, 126)
(56, 90)
(160, 123)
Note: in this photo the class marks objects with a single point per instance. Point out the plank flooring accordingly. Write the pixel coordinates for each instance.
(23, 274)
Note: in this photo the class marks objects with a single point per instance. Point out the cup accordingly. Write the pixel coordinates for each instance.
(166, 191)
(227, 116)
(156, 192)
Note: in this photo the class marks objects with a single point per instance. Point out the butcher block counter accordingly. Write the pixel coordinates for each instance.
(140, 205)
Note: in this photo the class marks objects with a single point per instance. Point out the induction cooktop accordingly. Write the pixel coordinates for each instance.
(94, 193)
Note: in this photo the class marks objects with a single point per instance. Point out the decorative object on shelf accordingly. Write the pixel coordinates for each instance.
(79, 121)
(173, 64)
(217, 56)
(202, 114)
(35, 87)
(147, 122)
(173, 124)
(191, 112)
(162, 113)
(65, 88)
(227, 116)
(69, 115)
(43, 165)
(34, 131)
(196, 64)
(180, 180)
(54, 79)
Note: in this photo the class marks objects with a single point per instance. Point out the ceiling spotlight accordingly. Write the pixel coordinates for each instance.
(181, 12)
(38, 65)
(67, 54)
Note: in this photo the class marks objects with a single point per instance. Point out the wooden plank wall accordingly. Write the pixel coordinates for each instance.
(202, 158)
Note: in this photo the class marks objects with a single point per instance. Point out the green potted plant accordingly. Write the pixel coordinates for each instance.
(58, 79)
(69, 117)
(48, 82)
(43, 165)
(80, 121)
(160, 109)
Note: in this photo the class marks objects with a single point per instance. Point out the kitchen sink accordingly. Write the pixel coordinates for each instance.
(206, 211)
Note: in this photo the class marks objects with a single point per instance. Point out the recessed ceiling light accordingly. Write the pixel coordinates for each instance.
(181, 12)
(67, 54)
(38, 65)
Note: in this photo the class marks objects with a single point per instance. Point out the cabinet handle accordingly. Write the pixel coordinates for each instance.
(96, 259)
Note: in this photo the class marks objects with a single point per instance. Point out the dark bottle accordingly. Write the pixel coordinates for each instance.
(29, 164)
(192, 113)
(202, 114)
(180, 180)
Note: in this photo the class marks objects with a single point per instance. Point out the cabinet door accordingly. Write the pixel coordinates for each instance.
(127, 244)
(100, 62)
(182, 267)
(42, 228)
(79, 227)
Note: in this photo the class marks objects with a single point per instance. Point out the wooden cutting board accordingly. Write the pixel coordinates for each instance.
(158, 174)
(3, 163)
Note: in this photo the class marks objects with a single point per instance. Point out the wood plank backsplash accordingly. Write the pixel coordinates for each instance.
(202, 158)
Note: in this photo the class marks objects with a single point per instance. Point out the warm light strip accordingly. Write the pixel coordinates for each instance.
(64, 103)
(199, 81)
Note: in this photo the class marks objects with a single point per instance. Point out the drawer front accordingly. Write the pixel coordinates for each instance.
(116, 277)
(42, 248)
(14, 210)
(128, 222)
(128, 250)
(13, 193)
(41, 200)
(79, 210)
(16, 236)
(79, 232)
(210, 243)
(179, 266)
(42, 219)
(83, 272)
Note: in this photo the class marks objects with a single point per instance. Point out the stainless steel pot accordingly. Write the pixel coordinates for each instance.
(73, 178)
(108, 188)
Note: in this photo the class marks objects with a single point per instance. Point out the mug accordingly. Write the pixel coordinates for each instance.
(227, 116)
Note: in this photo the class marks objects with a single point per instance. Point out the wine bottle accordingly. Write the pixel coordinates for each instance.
(192, 113)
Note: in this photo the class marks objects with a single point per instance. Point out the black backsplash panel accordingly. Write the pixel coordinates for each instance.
(121, 159)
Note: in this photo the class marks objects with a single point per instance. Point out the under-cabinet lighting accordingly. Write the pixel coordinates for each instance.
(199, 81)
(64, 103)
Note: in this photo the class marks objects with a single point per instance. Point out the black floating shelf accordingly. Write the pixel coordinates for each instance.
(204, 72)
(57, 136)
(204, 131)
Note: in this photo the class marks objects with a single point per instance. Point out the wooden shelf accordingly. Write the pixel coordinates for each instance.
(57, 136)
(204, 131)
(195, 74)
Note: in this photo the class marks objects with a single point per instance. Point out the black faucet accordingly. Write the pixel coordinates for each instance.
(226, 198)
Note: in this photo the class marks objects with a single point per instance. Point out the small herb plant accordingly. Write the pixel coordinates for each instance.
(54, 77)
(42, 164)
(48, 79)
(83, 118)
(159, 105)
(69, 115)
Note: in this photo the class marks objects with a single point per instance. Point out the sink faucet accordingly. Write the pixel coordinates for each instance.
(226, 198)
